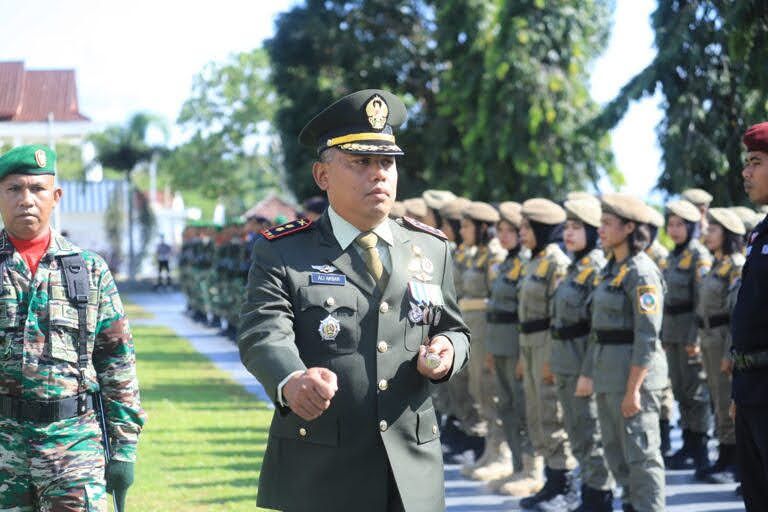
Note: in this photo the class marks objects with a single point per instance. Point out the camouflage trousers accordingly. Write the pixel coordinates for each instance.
(52, 467)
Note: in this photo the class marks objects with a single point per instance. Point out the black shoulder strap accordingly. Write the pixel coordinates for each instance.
(78, 288)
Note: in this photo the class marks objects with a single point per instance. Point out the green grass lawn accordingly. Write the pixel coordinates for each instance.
(134, 311)
(202, 446)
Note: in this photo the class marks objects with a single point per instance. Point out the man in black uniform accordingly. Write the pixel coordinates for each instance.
(749, 328)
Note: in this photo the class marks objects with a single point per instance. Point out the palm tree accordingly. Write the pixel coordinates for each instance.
(124, 148)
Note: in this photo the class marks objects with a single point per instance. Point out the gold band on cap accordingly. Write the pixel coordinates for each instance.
(356, 137)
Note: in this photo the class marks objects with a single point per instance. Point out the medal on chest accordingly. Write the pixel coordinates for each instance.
(426, 303)
(329, 328)
(420, 267)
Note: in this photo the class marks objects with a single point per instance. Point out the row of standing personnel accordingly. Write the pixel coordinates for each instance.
(584, 329)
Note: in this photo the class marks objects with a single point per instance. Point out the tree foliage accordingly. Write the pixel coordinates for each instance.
(711, 70)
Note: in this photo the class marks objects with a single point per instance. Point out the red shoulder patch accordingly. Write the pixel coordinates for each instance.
(286, 229)
(423, 227)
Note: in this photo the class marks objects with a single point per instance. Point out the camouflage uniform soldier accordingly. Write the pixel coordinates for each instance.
(53, 361)
(686, 267)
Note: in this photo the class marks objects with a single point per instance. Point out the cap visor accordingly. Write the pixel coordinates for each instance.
(371, 148)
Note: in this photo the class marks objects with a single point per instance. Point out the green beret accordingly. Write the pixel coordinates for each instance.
(728, 219)
(543, 211)
(585, 210)
(627, 207)
(684, 209)
(452, 209)
(510, 211)
(360, 123)
(481, 212)
(697, 196)
(32, 159)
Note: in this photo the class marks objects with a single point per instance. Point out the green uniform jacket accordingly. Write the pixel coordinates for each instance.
(382, 410)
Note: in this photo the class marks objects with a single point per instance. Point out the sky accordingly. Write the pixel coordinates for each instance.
(143, 55)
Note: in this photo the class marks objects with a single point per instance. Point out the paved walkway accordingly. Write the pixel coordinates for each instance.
(462, 495)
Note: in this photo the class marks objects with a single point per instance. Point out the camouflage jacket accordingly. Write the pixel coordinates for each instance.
(38, 344)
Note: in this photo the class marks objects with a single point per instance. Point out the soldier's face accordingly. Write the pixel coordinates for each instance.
(755, 174)
(468, 232)
(361, 188)
(26, 203)
(613, 231)
(574, 236)
(676, 229)
(527, 237)
(507, 234)
(714, 237)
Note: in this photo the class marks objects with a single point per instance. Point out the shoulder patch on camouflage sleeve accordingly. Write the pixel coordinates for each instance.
(420, 226)
(286, 229)
(647, 300)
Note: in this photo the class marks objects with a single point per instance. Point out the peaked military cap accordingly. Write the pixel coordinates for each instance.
(415, 207)
(543, 211)
(360, 123)
(686, 210)
(436, 199)
(30, 159)
(586, 210)
(756, 137)
(510, 211)
(655, 217)
(482, 212)
(697, 196)
(627, 207)
(452, 210)
(728, 219)
(748, 216)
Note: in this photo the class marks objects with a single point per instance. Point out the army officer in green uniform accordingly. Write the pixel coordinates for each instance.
(347, 323)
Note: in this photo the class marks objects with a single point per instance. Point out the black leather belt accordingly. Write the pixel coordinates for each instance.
(745, 361)
(713, 321)
(678, 309)
(570, 332)
(501, 317)
(615, 336)
(38, 411)
(534, 326)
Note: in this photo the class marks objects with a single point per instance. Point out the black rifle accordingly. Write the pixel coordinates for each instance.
(99, 403)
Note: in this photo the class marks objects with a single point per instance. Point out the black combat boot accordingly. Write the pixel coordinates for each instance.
(724, 470)
(700, 452)
(666, 444)
(555, 484)
(682, 458)
(595, 500)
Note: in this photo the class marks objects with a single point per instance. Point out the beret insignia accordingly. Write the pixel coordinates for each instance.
(377, 111)
(286, 229)
(420, 226)
(40, 158)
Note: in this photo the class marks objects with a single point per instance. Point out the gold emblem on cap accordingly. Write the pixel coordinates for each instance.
(377, 111)
(40, 158)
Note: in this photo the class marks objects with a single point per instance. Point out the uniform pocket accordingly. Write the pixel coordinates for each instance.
(323, 430)
(328, 315)
(63, 335)
(426, 426)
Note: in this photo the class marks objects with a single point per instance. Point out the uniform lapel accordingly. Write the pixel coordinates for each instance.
(399, 254)
(347, 261)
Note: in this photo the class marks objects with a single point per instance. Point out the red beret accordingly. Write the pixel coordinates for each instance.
(756, 137)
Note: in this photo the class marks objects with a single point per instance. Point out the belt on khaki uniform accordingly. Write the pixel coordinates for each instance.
(472, 304)
(532, 326)
(678, 309)
(39, 411)
(573, 331)
(749, 360)
(615, 336)
(501, 317)
(710, 322)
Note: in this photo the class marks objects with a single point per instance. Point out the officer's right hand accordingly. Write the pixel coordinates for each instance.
(309, 394)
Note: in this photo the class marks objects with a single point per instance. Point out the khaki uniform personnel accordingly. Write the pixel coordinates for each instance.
(659, 255)
(415, 208)
(572, 358)
(629, 366)
(686, 267)
(503, 343)
(701, 199)
(541, 228)
(714, 315)
(476, 279)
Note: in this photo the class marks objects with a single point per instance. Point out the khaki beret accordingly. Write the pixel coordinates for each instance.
(728, 219)
(697, 196)
(684, 209)
(655, 217)
(483, 212)
(748, 216)
(580, 194)
(510, 212)
(436, 199)
(398, 210)
(763, 208)
(415, 207)
(452, 209)
(584, 210)
(543, 211)
(626, 206)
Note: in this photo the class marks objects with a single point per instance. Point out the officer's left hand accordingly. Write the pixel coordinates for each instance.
(441, 346)
(726, 366)
(584, 387)
(692, 349)
(631, 404)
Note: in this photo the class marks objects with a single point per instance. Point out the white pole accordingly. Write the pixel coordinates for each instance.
(52, 145)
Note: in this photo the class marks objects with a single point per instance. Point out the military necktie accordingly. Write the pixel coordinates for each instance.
(368, 241)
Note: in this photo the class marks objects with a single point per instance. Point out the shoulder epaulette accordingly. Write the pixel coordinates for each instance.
(686, 260)
(584, 275)
(286, 229)
(620, 276)
(420, 226)
(542, 268)
(725, 268)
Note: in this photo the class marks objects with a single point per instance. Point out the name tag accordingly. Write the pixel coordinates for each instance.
(334, 279)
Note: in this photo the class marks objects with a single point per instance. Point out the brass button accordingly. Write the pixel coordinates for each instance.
(383, 426)
(434, 429)
(303, 432)
(417, 250)
(382, 346)
(330, 301)
(383, 384)
(383, 307)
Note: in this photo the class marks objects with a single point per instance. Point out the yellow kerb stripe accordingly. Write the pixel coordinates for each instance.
(356, 137)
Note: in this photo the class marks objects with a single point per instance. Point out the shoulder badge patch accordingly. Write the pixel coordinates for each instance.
(420, 226)
(647, 300)
(286, 229)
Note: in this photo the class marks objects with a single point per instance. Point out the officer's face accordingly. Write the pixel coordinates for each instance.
(26, 203)
(527, 237)
(574, 236)
(676, 229)
(714, 237)
(613, 231)
(755, 174)
(361, 188)
(507, 234)
(468, 232)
